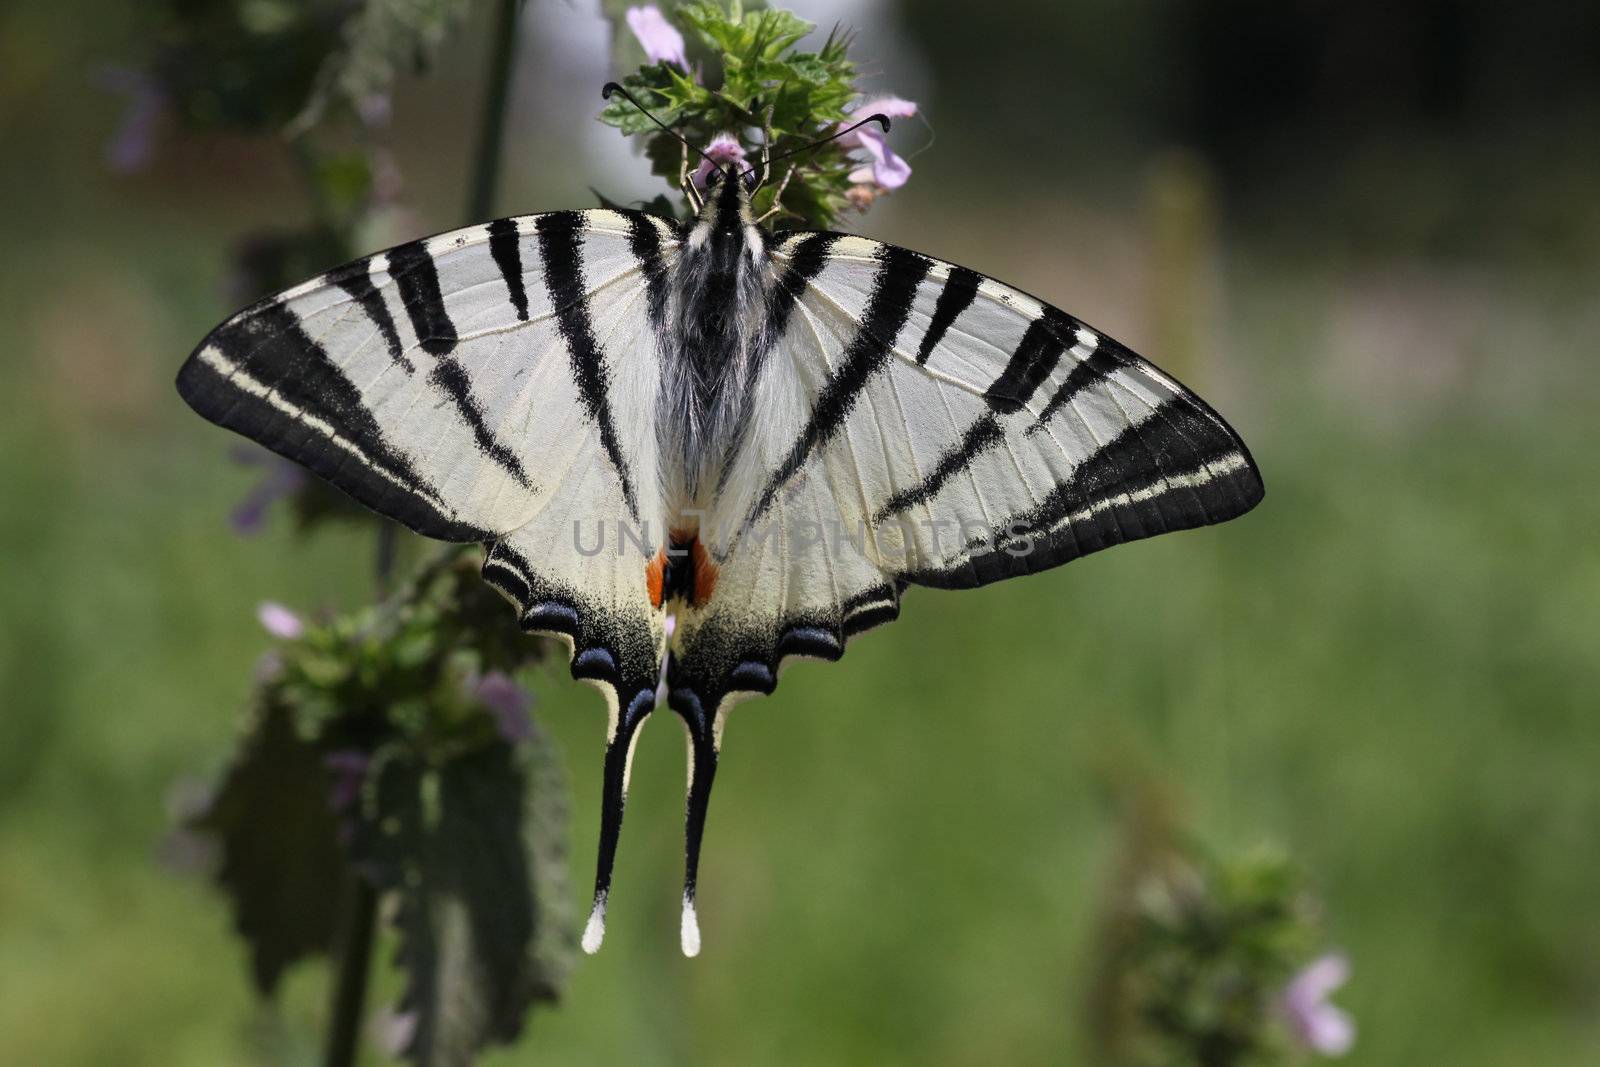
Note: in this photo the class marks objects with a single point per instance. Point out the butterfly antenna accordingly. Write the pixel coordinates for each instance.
(613, 797)
(881, 120)
(702, 771)
(612, 87)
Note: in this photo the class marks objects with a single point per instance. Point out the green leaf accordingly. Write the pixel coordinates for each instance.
(281, 860)
(549, 815)
(759, 89)
(476, 850)
(661, 89)
(659, 206)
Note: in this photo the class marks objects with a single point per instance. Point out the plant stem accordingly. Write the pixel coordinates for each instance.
(353, 953)
(360, 911)
(359, 907)
(492, 126)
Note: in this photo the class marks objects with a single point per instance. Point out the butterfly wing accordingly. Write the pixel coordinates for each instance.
(947, 430)
(494, 384)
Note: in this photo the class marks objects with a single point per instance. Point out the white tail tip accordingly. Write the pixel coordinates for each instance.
(689, 932)
(594, 931)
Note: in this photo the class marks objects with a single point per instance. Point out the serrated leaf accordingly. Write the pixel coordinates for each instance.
(549, 815)
(281, 861)
(476, 850)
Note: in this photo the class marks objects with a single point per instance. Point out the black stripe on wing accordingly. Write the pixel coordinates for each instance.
(1033, 361)
(356, 280)
(985, 433)
(1180, 468)
(449, 376)
(894, 287)
(505, 245)
(560, 251)
(644, 239)
(960, 289)
(414, 271)
(1107, 358)
(261, 375)
(806, 261)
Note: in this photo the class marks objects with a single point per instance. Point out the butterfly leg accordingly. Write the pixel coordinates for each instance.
(777, 197)
(689, 191)
(766, 146)
(613, 798)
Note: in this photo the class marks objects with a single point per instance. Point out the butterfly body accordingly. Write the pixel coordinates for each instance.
(779, 433)
(715, 336)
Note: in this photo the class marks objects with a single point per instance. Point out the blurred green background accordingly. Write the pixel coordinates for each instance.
(1367, 232)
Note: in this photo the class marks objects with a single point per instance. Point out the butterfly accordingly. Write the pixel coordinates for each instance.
(696, 450)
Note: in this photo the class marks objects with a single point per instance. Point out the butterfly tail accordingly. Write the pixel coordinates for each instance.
(702, 772)
(613, 798)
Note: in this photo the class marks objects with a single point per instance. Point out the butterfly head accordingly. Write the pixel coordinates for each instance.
(725, 228)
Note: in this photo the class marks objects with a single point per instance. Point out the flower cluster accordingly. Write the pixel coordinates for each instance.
(753, 89)
(434, 667)
(380, 740)
(1211, 967)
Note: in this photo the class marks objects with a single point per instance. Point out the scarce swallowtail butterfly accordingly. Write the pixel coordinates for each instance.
(696, 450)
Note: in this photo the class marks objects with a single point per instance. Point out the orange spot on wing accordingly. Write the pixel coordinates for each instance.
(655, 573)
(705, 574)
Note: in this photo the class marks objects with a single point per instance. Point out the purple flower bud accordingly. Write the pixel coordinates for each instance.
(1317, 1024)
(347, 767)
(725, 149)
(281, 478)
(507, 701)
(660, 41)
(279, 621)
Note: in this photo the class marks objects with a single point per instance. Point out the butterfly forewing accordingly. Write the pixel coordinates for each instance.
(999, 436)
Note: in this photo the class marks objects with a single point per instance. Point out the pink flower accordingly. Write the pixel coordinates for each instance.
(725, 149)
(886, 170)
(660, 41)
(1317, 1024)
(279, 621)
